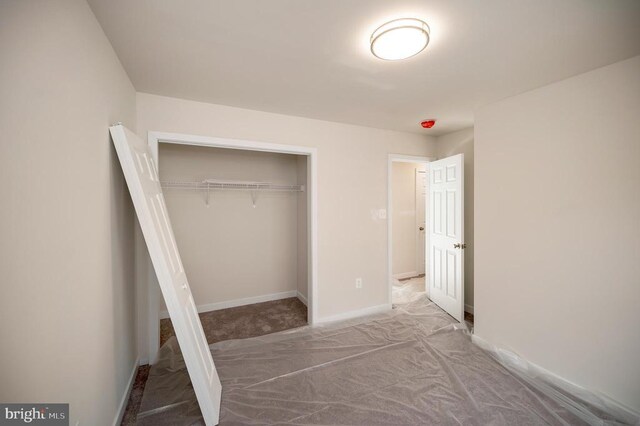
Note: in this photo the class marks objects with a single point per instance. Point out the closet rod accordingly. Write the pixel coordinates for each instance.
(209, 184)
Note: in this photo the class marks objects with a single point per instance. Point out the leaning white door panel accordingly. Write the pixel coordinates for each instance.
(446, 234)
(141, 175)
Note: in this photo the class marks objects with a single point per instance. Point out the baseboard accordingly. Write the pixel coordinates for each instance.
(598, 399)
(125, 398)
(404, 275)
(357, 313)
(468, 308)
(239, 302)
(302, 298)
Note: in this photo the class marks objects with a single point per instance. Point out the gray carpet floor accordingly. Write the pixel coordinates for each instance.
(246, 321)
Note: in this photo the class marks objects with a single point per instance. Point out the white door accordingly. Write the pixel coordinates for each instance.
(446, 234)
(421, 206)
(141, 175)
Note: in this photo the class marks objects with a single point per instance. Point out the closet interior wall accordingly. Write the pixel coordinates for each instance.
(230, 249)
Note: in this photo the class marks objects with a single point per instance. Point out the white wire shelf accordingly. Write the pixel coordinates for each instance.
(208, 185)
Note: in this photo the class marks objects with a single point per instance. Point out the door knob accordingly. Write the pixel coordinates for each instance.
(421, 228)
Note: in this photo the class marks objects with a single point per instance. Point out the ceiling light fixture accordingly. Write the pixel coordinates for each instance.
(400, 39)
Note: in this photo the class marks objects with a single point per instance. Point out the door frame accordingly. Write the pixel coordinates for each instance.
(153, 291)
(399, 158)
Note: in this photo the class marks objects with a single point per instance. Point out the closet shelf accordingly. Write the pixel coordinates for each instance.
(208, 185)
(230, 185)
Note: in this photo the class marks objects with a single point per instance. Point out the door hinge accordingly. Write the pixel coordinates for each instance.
(460, 246)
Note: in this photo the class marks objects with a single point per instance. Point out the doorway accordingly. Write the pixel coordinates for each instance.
(407, 226)
(306, 159)
(239, 219)
(426, 231)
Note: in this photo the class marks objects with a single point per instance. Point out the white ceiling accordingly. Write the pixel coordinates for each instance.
(311, 57)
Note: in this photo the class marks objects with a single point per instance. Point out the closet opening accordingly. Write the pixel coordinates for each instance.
(243, 215)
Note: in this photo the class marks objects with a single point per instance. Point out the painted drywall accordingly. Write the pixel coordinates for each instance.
(303, 230)
(230, 249)
(461, 142)
(352, 185)
(67, 310)
(403, 206)
(557, 229)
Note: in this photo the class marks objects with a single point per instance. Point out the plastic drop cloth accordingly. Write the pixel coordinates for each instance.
(408, 291)
(412, 366)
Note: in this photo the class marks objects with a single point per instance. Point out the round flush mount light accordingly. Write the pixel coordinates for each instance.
(400, 39)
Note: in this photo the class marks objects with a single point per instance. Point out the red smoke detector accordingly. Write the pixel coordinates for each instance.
(427, 124)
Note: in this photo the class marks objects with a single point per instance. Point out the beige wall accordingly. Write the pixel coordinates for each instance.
(403, 206)
(231, 250)
(67, 312)
(558, 228)
(461, 142)
(352, 181)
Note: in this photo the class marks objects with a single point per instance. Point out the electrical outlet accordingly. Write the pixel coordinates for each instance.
(358, 282)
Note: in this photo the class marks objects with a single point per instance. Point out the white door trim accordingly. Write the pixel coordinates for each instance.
(155, 138)
(397, 158)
